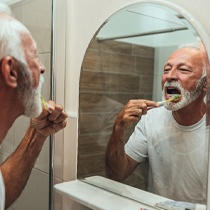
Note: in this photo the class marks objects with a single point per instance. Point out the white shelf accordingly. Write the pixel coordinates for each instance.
(99, 193)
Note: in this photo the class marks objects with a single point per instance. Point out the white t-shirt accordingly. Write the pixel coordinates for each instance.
(178, 155)
(2, 193)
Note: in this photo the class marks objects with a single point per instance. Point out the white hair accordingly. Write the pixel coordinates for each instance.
(11, 32)
(5, 9)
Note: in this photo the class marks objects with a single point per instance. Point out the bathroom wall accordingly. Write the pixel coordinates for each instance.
(110, 77)
(36, 15)
(80, 20)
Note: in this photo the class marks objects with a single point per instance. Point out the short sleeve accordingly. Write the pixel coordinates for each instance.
(136, 147)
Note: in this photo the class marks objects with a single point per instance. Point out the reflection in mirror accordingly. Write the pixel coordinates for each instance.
(124, 61)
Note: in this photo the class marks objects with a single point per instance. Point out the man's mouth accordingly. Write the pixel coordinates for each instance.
(171, 92)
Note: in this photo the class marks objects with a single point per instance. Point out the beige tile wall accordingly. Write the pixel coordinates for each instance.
(112, 74)
(36, 15)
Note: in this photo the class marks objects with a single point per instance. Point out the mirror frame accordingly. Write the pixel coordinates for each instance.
(193, 22)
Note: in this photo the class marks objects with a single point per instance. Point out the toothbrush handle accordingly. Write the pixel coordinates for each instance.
(160, 104)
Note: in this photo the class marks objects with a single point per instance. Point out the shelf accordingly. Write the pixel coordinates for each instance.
(100, 193)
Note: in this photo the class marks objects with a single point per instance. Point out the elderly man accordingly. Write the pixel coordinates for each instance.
(20, 87)
(172, 137)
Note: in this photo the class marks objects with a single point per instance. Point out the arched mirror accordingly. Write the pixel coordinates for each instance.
(125, 60)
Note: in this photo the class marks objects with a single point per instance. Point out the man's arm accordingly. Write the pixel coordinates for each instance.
(17, 168)
(119, 165)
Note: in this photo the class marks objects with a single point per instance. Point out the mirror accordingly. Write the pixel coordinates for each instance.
(124, 61)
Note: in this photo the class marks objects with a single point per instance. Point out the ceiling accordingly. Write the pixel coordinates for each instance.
(148, 24)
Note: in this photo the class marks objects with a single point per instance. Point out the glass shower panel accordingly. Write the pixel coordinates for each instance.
(36, 16)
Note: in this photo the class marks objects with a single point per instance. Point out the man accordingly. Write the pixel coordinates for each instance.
(172, 137)
(20, 88)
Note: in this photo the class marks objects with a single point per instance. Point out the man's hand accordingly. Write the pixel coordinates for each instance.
(132, 112)
(50, 122)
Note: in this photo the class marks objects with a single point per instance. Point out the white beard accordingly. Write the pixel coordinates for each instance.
(187, 97)
(32, 101)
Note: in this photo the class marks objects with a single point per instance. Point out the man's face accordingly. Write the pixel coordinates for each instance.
(31, 95)
(183, 75)
(32, 59)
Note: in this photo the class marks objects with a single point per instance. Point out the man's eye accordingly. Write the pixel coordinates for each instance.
(166, 70)
(184, 70)
(36, 57)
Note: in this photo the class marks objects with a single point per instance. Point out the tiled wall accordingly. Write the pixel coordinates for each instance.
(36, 15)
(112, 73)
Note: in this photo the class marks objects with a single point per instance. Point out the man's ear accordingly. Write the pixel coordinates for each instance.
(205, 85)
(9, 71)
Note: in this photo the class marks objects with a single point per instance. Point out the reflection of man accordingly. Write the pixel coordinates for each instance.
(172, 137)
(20, 87)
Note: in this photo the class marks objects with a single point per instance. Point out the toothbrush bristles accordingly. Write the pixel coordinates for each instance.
(44, 103)
(177, 96)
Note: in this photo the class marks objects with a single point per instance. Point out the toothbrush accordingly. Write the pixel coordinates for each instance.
(169, 100)
(177, 96)
(45, 105)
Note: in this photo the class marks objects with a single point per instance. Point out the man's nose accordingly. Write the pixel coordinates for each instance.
(41, 67)
(172, 75)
